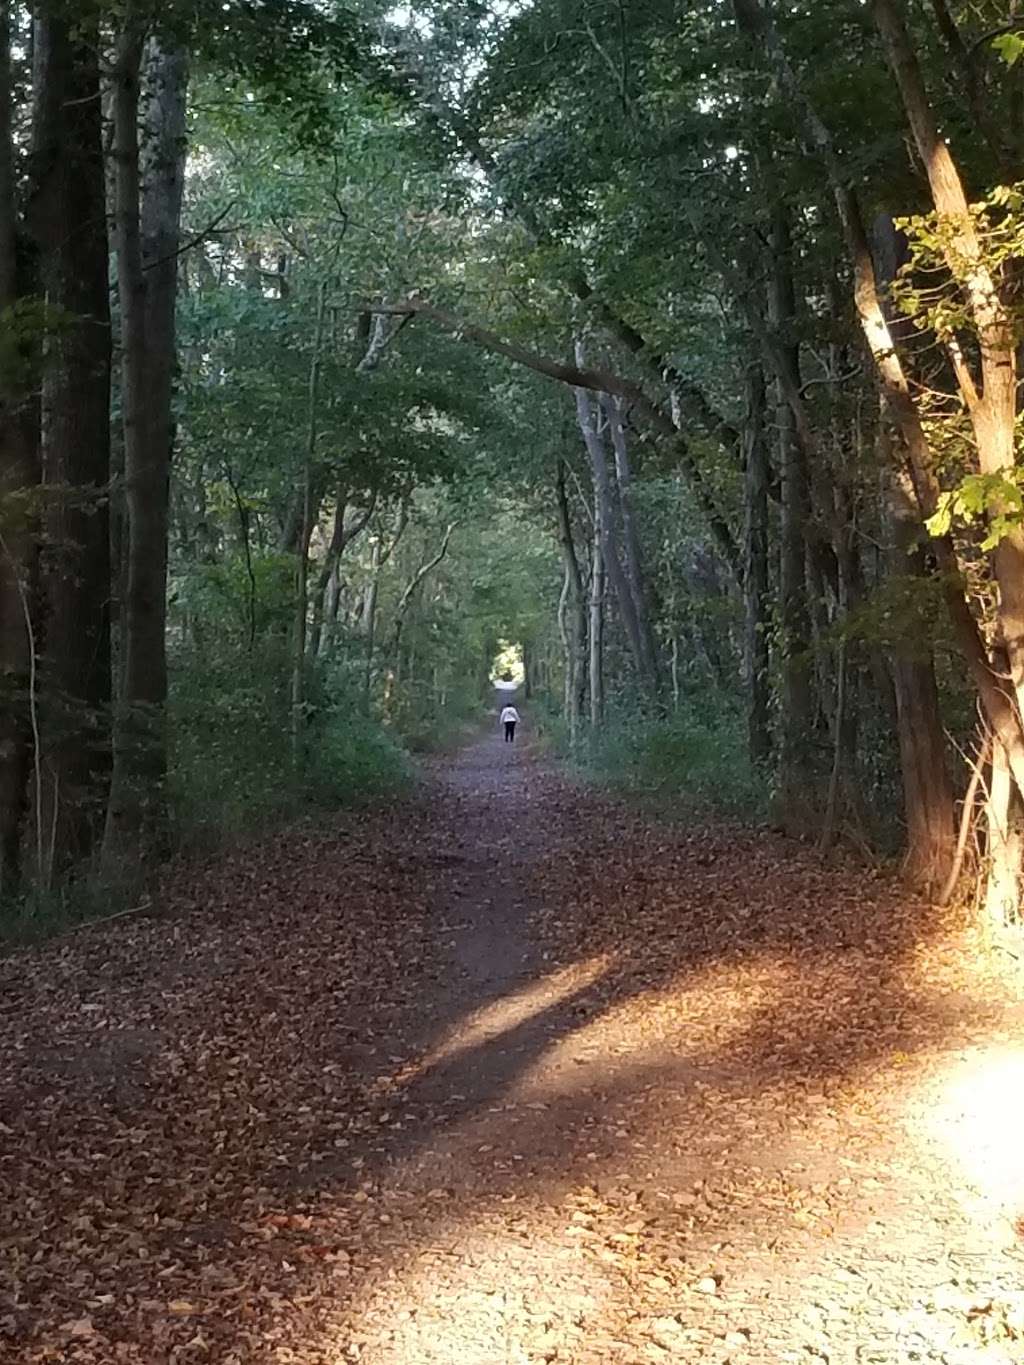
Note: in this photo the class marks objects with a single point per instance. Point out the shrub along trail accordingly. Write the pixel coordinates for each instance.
(505, 1074)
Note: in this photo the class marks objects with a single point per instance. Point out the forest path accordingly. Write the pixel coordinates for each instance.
(511, 1073)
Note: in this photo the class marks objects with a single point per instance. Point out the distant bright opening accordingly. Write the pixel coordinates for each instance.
(508, 670)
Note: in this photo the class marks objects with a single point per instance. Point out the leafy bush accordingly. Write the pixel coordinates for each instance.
(684, 762)
(232, 767)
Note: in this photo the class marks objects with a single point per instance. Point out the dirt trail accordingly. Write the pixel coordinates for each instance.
(511, 1074)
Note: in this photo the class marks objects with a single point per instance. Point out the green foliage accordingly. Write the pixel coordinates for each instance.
(692, 761)
(1009, 47)
(231, 761)
(928, 289)
(904, 611)
(995, 499)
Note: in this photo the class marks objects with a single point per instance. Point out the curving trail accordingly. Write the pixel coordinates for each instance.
(510, 1073)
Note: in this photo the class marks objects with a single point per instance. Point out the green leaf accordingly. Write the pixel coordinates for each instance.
(1010, 47)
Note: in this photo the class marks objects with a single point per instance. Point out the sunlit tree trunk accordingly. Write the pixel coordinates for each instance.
(69, 223)
(982, 295)
(1004, 825)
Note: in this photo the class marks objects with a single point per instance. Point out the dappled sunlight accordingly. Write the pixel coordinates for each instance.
(510, 1011)
(635, 1097)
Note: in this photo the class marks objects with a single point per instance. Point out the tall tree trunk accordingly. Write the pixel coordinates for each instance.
(574, 616)
(1005, 843)
(597, 596)
(70, 226)
(632, 561)
(149, 176)
(587, 415)
(796, 721)
(755, 576)
(19, 473)
(299, 625)
(368, 624)
(990, 399)
(327, 591)
(328, 571)
(927, 790)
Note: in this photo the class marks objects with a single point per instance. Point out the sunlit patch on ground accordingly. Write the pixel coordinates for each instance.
(973, 1110)
(508, 1291)
(509, 1012)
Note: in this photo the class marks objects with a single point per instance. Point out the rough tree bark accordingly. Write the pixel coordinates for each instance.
(632, 561)
(1004, 823)
(755, 575)
(68, 217)
(928, 796)
(148, 179)
(574, 614)
(796, 721)
(588, 417)
(596, 611)
(19, 473)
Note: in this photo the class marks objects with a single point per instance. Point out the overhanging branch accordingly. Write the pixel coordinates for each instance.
(598, 379)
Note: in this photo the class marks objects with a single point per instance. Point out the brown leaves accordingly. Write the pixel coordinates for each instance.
(511, 1074)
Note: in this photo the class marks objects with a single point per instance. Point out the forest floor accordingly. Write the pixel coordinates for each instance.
(511, 1073)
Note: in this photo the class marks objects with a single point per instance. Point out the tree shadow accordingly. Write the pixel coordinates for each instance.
(679, 998)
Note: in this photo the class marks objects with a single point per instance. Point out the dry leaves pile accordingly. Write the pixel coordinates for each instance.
(508, 1074)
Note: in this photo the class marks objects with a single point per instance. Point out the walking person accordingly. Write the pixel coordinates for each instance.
(509, 718)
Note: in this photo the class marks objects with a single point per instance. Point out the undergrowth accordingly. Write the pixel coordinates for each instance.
(232, 766)
(232, 776)
(681, 763)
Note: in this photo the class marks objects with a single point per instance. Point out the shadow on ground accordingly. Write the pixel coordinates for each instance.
(509, 1073)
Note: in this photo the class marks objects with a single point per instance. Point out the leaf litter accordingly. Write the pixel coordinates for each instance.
(510, 1073)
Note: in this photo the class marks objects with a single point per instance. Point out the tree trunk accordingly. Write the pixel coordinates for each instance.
(327, 592)
(928, 800)
(755, 576)
(597, 594)
(70, 227)
(991, 401)
(1003, 822)
(796, 720)
(298, 679)
(632, 561)
(149, 178)
(368, 624)
(19, 474)
(575, 619)
(594, 441)
(328, 571)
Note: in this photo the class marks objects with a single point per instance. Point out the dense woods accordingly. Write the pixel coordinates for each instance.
(352, 354)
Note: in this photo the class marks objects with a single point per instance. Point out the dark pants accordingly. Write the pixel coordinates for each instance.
(510, 731)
